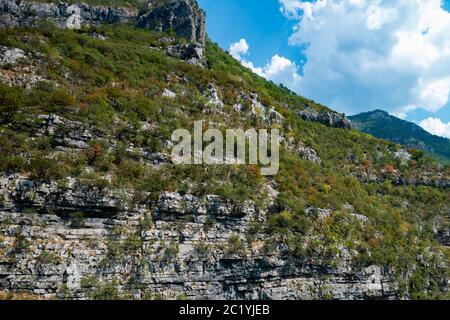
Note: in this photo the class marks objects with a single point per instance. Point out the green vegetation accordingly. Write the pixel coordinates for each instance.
(21, 244)
(170, 251)
(235, 246)
(102, 290)
(48, 258)
(77, 220)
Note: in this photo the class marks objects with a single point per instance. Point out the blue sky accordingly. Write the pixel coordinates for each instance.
(372, 64)
(260, 22)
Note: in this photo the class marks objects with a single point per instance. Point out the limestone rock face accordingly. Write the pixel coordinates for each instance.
(10, 56)
(20, 192)
(178, 245)
(24, 13)
(69, 134)
(184, 17)
(330, 119)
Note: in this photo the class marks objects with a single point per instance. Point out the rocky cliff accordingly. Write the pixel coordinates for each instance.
(26, 13)
(178, 246)
(331, 119)
(184, 17)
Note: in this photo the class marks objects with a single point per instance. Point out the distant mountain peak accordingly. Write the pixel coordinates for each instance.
(375, 112)
(381, 124)
(381, 111)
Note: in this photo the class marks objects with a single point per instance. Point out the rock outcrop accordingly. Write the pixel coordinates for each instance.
(252, 105)
(193, 53)
(18, 68)
(184, 17)
(11, 56)
(26, 14)
(423, 179)
(65, 133)
(18, 192)
(444, 236)
(330, 119)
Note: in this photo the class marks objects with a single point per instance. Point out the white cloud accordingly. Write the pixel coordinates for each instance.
(364, 54)
(239, 49)
(282, 70)
(434, 94)
(436, 127)
(377, 16)
(278, 70)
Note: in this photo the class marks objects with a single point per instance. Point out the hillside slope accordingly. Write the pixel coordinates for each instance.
(91, 205)
(384, 126)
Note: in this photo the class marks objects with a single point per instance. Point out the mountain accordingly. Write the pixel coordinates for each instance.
(93, 207)
(382, 125)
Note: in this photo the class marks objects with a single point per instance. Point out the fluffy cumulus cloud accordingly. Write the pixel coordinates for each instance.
(279, 69)
(282, 70)
(437, 127)
(365, 54)
(239, 49)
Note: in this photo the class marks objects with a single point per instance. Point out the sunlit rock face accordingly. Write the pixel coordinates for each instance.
(184, 17)
(25, 13)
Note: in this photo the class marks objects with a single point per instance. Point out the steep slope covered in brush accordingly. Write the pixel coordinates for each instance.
(384, 126)
(92, 207)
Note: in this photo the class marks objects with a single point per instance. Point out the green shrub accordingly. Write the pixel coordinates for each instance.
(281, 220)
(171, 251)
(77, 220)
(21, 244)
(202, 249)
(42, 168)
(48, 258)
(235, 246)
(61, 97)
